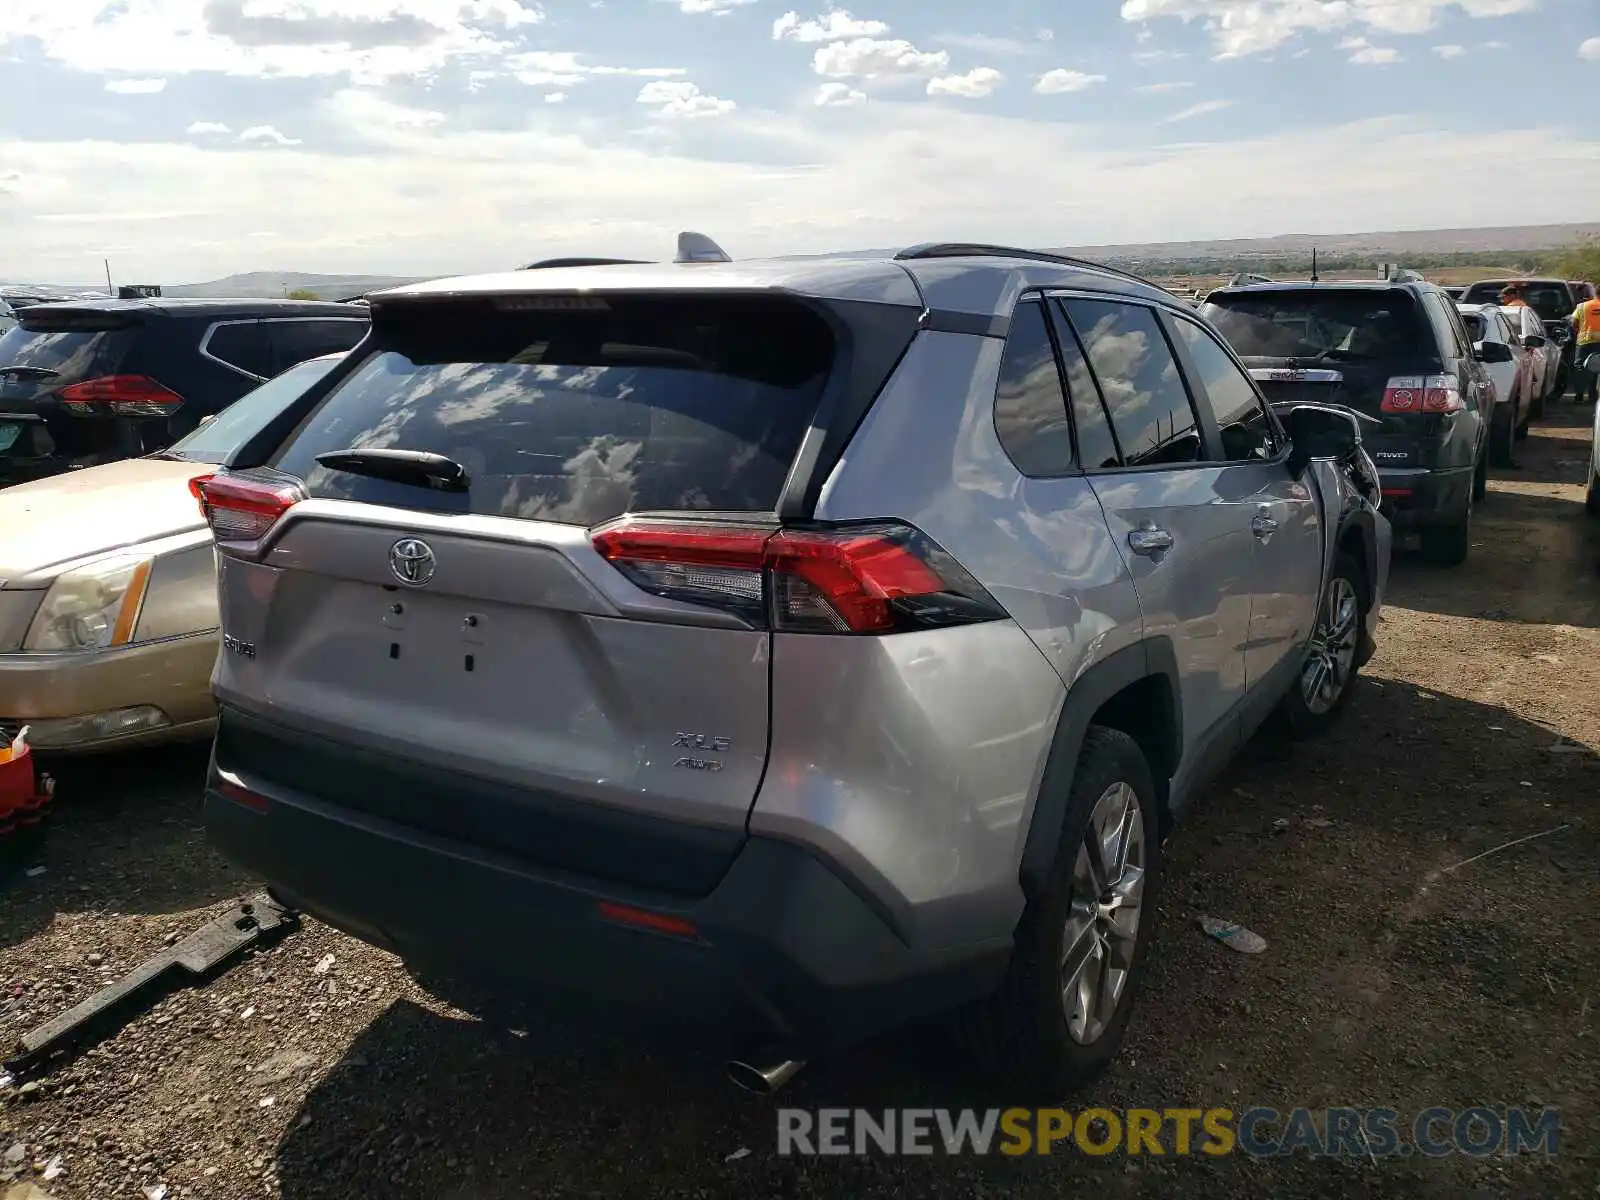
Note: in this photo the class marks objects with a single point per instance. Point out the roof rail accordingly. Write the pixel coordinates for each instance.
(927, 250)
(698, 248)
(545, 263)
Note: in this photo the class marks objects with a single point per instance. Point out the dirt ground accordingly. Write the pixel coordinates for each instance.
(1393, 977)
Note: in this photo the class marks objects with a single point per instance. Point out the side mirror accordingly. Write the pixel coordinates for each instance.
(1534, 341)
(1319, 432)
(1492, 352)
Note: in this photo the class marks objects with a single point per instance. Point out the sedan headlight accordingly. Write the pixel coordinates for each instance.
(91, 607)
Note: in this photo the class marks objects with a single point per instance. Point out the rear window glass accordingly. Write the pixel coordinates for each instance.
(580, 416)
(243, 345)
(1551, 301)
(219, 437)
(1312, 326)
(69, 354)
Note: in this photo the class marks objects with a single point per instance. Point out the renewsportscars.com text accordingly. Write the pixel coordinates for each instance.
(1259, 1132)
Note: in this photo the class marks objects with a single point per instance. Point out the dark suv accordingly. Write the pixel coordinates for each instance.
(1397, 352)
(88, 382)
(1553, 300)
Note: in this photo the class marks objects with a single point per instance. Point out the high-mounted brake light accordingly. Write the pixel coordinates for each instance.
(1422, 394)
(880, 578)
(240, 508)
(122, 396)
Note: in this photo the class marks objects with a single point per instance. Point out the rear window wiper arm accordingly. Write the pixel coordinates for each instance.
(33, 372)
(418, 467)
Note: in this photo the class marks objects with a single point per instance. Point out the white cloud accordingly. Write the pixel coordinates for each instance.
(982, 43)
(1368, 55)
(267, 134)
(1590, 49)
(1202, 109)
(1176, 85)
(366, 41)
(200, 127)
(974, 85)
(1494, 46)
(682, 100)
(1046, 35)
(874, 58)
(839, 95)
(563, 69)
(832, 26)
(716, 8)
(444, 200)
(136, 87)
(1149, 57)
(1053, 83)
(1245, 27)
(1450, 51)
(555, 98)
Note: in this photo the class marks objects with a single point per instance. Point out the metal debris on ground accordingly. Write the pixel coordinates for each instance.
(323, 964)
(741, 1152)
(1505, 846)
(1233, 935)
(197, 956)
(1319, 822)
(156, 1191)
(52, 1168)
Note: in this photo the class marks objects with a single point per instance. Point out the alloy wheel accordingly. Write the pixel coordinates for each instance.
(1102, 928)
(1333, 649)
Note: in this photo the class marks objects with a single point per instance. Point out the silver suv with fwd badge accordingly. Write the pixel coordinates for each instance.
(799, 645)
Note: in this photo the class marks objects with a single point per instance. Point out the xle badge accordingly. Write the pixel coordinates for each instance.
(701, 741)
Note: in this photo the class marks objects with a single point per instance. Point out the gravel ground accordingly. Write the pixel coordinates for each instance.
(321, 1069)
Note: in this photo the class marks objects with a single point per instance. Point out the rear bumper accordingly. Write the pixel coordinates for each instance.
(785, 954)
(1418, 496)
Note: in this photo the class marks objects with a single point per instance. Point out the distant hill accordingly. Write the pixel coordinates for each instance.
(281, 283)
(1394, 246)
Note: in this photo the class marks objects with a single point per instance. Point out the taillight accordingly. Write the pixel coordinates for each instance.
(1422, 394)
(240, 508)
(880, 578)
(121, 395)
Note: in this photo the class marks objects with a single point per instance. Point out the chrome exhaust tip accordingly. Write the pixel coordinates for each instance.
(762, 1081)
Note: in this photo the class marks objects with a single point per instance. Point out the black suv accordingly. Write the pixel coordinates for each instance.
(1553, 300)
(1397, 352)
(93, 381)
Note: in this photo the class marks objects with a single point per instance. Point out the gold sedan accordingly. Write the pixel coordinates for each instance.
(108, 589)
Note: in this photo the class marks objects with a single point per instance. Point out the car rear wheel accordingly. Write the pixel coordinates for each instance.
(1536, 407)
(1080, 947)
(1480, 477)
(1447, 545)
(1327, 677)
(1591, 499)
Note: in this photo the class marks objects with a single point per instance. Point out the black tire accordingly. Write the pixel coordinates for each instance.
(1304, 720)
(1536, 408)
(1522, 431)
(1448, 545)
(1480, 477)
(1502, 437)
(1591, 499)
(1021, 1034)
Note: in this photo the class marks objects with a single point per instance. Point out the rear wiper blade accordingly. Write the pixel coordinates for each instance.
(32, 372)
(417, 467)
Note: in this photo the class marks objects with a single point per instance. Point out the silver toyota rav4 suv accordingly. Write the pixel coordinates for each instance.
(797, 645)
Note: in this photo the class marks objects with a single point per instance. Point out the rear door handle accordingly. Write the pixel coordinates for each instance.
(1149, 540)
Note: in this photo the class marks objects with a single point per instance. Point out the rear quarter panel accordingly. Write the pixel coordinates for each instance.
(915, 760)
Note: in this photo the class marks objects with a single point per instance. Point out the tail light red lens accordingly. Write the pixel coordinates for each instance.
(121, 395)
(881, 578)
(1422, 394)
(241, 508)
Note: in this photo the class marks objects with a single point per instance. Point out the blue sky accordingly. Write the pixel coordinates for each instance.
(193, 138)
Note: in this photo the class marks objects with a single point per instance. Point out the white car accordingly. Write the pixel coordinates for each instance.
(1516, 371)
(1592, 499)
(1530, 330)
(8, 318)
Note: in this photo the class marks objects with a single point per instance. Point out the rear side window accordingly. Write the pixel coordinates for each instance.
(1444, 329)
(1139, 378)
(1475, 325)
(67, 354)
(1097, 446)
(1326, 325)
(242, 345)
(580, 415)
(297, 340)
(1030, 411)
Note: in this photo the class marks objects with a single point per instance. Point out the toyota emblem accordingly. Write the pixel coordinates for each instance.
(412, 561)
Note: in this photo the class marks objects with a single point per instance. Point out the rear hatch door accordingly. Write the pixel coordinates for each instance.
(1339, 346)
(50, 349)
(508, 685)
